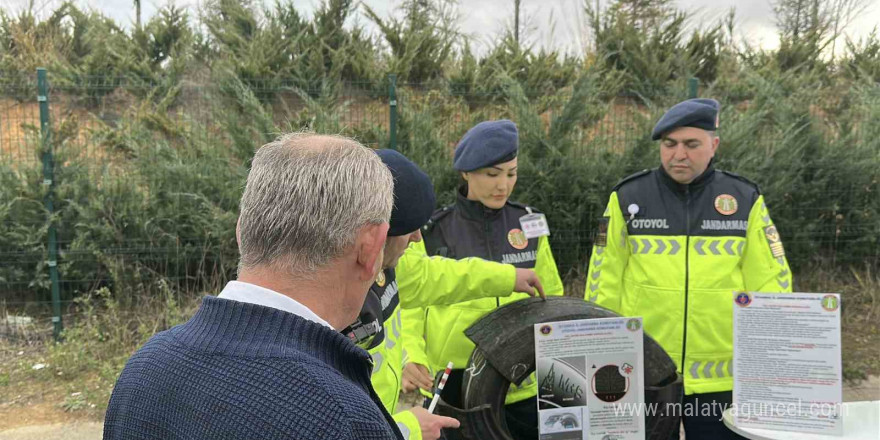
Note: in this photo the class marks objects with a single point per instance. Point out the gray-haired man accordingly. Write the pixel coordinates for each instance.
(266, 358)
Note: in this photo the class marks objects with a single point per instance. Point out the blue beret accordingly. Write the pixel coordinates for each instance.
(699, 113)
(486, 144)
(413, 194)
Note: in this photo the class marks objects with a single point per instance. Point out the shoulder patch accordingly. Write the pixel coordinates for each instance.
(742, 179)
(524, 207)
(629, 178)
(437, 215)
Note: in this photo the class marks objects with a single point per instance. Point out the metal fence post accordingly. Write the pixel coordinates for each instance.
(693, 83)
(392, 110)
(49, 184)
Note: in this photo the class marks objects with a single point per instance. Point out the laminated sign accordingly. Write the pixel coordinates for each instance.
(590, 379)
(787, 366)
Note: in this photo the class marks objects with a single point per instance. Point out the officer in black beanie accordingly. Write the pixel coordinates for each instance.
(414, 202)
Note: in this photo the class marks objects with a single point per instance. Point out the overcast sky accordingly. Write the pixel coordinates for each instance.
(556, 23)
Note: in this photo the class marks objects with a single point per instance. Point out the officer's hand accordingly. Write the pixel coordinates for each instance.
(431, 424)
(416, 376)
(527, 282)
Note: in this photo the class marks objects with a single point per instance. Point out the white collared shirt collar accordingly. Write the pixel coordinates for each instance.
(261, 296)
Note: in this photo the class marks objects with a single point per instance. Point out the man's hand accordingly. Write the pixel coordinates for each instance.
(431, 424)
(416, 376)
(527, 282)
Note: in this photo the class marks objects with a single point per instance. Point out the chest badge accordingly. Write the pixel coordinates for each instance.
(517, 239)
(726, 204)
(380, 280)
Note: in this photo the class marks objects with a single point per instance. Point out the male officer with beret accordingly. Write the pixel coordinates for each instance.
(673, 245)
(426, 281)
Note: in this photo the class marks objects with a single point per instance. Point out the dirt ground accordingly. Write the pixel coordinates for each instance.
(76, 430)
(42, 421)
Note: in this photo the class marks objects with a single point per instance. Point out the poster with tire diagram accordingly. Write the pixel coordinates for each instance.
(590, 379)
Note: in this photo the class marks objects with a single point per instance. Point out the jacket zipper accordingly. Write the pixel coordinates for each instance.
(687, 210)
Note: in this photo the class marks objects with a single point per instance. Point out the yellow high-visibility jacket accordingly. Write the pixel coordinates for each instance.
(435, 335)
(422, 281)
(678, 260)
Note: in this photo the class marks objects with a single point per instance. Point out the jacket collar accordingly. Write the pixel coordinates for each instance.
(698, 183)
(473, 209)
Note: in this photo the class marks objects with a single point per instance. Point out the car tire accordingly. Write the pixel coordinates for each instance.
(504, 354)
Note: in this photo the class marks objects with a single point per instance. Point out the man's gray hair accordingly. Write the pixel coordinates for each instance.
(306, 197)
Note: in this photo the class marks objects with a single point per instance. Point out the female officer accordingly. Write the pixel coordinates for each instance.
(482, 223)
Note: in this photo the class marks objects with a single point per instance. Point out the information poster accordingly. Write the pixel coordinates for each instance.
(590, 379)
(787, 373)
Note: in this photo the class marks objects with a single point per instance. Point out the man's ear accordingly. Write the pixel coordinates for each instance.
(238, 232)
(465, 175)
(369, 245)
(715, 142)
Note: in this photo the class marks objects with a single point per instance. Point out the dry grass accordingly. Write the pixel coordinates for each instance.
(860, 327)
(31, 396)
(77, 376)
(18, 122)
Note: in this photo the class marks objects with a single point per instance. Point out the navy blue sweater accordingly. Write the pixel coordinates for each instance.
(242, 371)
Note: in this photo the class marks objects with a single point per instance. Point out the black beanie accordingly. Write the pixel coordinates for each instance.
(413, 194)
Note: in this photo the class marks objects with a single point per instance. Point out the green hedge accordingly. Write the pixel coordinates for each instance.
(152, 193)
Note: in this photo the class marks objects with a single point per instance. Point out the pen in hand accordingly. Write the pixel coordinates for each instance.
(440, 388)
